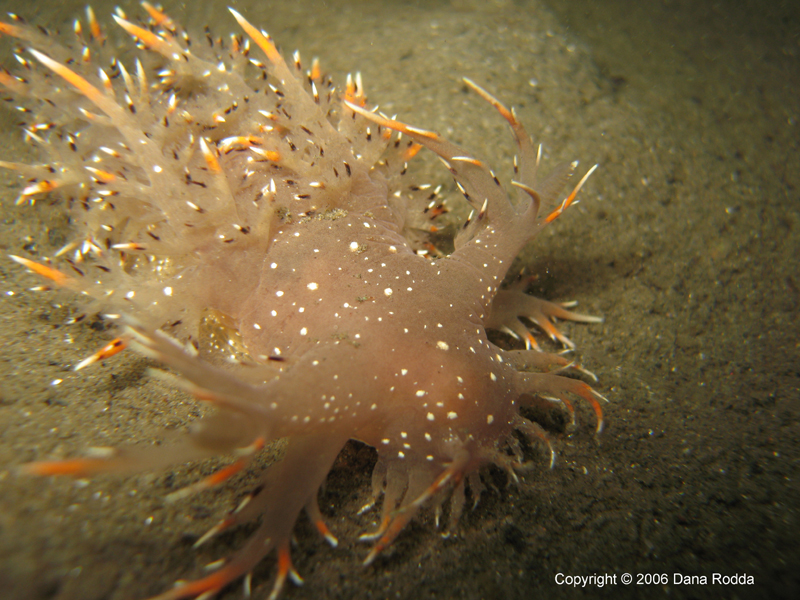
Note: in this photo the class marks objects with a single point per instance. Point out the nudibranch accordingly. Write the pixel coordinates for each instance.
(214, 186)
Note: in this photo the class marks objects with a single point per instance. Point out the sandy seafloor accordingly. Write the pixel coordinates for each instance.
(685, 240)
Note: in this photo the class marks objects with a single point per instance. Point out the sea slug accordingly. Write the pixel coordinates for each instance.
(214, 187)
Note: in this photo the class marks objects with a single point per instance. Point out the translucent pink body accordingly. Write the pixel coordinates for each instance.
(262, 202)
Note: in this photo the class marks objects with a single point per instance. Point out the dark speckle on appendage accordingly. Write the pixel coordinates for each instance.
(252, 227)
